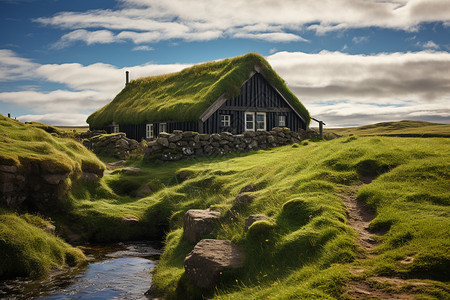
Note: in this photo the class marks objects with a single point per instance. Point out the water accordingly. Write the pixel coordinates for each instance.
(119, 271)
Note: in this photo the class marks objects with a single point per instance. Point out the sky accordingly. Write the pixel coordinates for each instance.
(350, 62)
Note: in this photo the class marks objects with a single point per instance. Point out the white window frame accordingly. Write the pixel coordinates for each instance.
(149, 131)
(282, 121)
(161, 125)
(257, 122)
(252, 122)
(116, 129)
(225, 121)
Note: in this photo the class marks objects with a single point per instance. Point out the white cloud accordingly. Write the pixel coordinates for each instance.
(347, 90)
(154, 20)
(143, 48)
(430, 45)
(13, 67)
(57, 119)
(360, 39)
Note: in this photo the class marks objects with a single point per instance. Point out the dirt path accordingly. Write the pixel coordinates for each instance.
(359, 217)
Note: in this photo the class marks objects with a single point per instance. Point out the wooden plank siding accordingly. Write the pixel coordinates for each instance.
(256, 95)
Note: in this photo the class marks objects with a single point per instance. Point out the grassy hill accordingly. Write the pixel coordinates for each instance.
(26, 247)
(402, 129)
(309, 249)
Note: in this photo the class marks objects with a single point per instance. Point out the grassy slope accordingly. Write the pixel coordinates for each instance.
(402, 128)
(185, 95)
(26, 249)
(23, 144)
(308, 248)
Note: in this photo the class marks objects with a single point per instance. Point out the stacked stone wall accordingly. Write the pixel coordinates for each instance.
(187, 144)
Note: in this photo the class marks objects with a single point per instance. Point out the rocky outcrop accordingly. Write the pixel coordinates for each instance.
(37, 187)
(204, 264)
(254, 218)
(198, 223)
(114, 145)
(188, 144)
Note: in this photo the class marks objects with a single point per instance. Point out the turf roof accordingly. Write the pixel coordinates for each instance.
(185, 95)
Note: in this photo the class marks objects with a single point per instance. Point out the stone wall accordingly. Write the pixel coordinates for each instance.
(37, 188)
(179, 144)
(116, 144)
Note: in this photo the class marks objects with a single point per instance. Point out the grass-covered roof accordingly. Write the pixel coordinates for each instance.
(185, 95)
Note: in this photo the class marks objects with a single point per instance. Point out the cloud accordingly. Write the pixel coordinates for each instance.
(430, 45)
(13, 67)
(56, 119)
(360, 39)
(142, 48)
(154, 20)
(345, 89)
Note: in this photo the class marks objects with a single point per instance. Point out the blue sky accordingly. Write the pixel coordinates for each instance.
(351, 62)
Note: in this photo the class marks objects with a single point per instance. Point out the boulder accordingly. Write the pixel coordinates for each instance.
(254, 218)
(116, 163)
(204, 264)
(197, 223)
(243, 199)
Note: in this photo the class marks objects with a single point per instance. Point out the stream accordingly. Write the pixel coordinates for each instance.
(119, 271)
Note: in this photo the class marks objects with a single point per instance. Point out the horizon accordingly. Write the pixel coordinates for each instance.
(351, 63)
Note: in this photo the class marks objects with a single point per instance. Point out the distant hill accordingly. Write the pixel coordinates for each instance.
(402, 129)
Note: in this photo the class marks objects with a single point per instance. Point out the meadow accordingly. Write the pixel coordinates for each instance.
(308, 248)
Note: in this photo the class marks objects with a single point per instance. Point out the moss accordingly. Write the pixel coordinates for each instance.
(27, 250)
(185, 95)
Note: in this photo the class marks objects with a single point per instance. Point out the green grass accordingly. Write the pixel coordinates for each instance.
(185, 95)
(26, 249)
(402, 128)
(307, 247)
(44, 147)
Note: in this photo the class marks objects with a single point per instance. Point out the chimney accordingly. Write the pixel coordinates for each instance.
(127, 77)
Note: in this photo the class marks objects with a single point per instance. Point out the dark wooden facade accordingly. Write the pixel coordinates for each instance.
(257, 97)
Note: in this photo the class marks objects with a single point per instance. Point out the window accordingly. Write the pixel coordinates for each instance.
(249, 121)
(149, 131)
(115, 128)
(162, 127)
(282, 121)
(260, 121)
(225, 120)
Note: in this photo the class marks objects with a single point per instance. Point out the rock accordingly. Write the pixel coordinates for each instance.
(163, 141)
(254, 218)
(117, 163)
(248, 188)
(164, 135)
(8, 169)
(129, 220)
(243, 199)
(146, 190)
(175, 138)
(89, 176)
(55, 178)
(131, 170)
(208, 259)
(197, 223)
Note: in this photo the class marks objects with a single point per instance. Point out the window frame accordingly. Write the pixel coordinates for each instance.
(149, 134)
(225, 120)
(284, 121)
(160, 127)
(258, 122)
(116, 128)
(249, 113)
